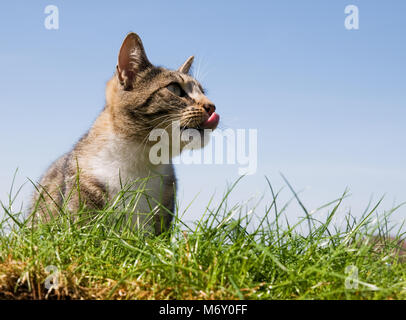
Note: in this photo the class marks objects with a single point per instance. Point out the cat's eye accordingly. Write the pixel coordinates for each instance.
(176, 89)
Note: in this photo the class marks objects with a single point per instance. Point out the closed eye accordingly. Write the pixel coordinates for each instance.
(176, 89)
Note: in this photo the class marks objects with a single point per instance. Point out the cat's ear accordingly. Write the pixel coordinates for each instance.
(131, 60)
(186, 65)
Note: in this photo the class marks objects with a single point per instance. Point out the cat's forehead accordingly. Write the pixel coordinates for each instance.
(185, 80)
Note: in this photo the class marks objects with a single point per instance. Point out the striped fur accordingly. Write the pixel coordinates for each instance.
(115, 150)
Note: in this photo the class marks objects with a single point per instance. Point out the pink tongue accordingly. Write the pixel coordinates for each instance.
(212, 122)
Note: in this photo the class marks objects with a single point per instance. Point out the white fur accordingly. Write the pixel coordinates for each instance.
(120, 163)
(193, 91)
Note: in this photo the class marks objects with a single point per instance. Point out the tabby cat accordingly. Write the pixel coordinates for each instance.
(114, 153)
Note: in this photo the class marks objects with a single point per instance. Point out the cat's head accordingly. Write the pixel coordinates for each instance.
(142, 97)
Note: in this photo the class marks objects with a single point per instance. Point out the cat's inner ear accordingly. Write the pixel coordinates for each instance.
(131, 60)
(185, 68)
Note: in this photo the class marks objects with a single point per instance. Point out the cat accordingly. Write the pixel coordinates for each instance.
(140, 97)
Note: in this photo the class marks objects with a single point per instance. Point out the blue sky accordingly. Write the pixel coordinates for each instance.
(328, 103)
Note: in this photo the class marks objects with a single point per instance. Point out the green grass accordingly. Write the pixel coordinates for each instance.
(231, 252)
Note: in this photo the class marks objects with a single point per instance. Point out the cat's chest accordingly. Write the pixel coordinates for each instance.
(122, 165)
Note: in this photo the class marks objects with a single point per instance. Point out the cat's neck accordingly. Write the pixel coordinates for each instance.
(105, 147)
